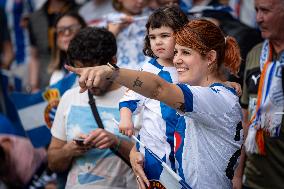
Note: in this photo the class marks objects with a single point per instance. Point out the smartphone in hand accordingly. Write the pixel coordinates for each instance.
(79, 141)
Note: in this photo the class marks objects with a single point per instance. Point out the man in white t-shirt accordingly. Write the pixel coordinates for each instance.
(93, 163)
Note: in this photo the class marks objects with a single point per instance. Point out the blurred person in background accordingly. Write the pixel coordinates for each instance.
(20, 161)
(128, 25)
(22, 165)
(154, 4)
(42, 30)
(66, 27)
(263, 101)
(247, 13)
(94, 12)
(6, 49)
(17, 17)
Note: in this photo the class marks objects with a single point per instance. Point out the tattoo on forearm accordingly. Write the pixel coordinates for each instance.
(137, 83)
(156, 93)
(180, 106)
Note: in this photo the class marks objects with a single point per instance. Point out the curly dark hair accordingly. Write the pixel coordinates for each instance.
(92, 47)
(169, 16)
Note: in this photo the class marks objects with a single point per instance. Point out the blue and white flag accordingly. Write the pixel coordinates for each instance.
(37, 111)
(168, 178)
(10, 120)
(10, 82)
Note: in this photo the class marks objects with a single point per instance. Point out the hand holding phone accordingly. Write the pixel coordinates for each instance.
(79, 141)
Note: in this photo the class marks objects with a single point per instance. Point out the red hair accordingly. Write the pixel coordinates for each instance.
(203, 36)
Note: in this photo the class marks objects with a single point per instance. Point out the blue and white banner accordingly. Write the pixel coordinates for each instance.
(10, 121)
(10, 81)
(37, 111)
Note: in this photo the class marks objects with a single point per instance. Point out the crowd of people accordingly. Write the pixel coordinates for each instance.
(198, 83)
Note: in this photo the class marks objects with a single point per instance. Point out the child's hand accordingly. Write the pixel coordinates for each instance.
(126, 127)
(235, 86)
(116, 27)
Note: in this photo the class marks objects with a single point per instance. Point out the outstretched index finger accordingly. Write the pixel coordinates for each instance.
(77, 71)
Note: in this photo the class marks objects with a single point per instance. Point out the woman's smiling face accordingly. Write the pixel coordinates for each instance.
(192, 68)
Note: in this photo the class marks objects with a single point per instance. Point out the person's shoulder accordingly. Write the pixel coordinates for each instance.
(149, 65)
(225, 95)
(253, 56)
(86, 8)
(75, 91)
(37, 14)
(217, 91)
(257, 48)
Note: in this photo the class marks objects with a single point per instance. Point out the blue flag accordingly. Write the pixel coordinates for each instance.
(37, 111)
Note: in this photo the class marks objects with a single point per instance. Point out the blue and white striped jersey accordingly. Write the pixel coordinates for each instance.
(208, 136)
(15, 10)
(159, 121)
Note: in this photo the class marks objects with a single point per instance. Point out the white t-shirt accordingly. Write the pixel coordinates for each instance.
(100, 169)
(209, 136)
(56, 76)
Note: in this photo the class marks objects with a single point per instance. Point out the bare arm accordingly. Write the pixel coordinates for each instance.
(238, 175)
(137, 163)
(145, 83)
(34, 70)
(126, 126)
(237, 180)
(116, 28)
(8, 55)
(245, 121)
(125, 148)
(60, 154)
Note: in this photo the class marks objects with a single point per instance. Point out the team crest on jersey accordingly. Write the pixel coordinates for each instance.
(52, 96)
(155, 184)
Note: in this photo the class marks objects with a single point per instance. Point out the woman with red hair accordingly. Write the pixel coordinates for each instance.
(208, 136)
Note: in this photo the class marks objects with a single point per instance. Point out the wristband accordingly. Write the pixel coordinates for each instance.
(115, 70)
(114, 67)
(118, 145)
